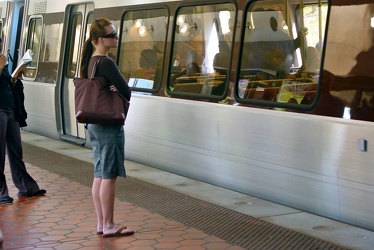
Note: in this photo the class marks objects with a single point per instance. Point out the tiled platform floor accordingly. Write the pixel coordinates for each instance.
(65, 219)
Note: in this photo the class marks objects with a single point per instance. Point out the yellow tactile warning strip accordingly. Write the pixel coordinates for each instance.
(234, 229)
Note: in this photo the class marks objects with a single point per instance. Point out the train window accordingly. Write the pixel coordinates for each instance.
(142, 48)
(88, 25)
(72, 59)
(281, 59)
(349, 62)
(201, 51)
(34, 37)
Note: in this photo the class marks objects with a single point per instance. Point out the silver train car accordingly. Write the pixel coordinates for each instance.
(272, 98)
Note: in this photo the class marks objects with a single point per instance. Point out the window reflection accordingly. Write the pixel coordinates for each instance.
(33, 43)
(282, 62)
(142, 48)
(201, 51)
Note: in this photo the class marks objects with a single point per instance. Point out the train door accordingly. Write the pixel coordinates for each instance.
(77, 20)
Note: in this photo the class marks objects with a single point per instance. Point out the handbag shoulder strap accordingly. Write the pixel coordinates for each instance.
(95, 67)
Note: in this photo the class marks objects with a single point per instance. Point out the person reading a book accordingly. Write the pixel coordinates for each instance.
(12, 117)
(23, 63)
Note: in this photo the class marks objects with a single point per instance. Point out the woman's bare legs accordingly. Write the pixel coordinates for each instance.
(107, 195)
(97, 203)
(103, 193)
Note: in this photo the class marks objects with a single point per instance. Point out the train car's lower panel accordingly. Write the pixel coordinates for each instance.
(308, 162)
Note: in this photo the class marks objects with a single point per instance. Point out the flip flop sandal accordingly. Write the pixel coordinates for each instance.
(101, 232)
(120, 233)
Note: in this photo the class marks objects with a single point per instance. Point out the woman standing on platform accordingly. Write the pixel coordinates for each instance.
(107, 140)
(12, 117)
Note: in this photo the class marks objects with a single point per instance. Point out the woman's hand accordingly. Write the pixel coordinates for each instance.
(19, 72)
(113, 88)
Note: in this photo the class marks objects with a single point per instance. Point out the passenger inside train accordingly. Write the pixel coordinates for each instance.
(311, 65)
(204, 44)
(148, 64)
(148, 74)
(277, 68)
(187, 75)
(270, 53)
(273, 62)
(188, 58)
(267, 35)
(221, 64)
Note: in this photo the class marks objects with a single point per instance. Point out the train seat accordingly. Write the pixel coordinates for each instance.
(194, 88)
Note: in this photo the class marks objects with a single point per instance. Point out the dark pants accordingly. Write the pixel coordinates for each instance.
(10, 142)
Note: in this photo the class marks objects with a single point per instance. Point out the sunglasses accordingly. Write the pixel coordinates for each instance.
(111, 35)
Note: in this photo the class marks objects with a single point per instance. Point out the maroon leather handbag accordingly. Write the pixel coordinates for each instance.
(95, 103)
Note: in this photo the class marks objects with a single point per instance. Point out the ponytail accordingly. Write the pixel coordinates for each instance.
(86, 55)
(97, 30)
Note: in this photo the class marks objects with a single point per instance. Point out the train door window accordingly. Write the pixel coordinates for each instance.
(201, 51)
(88, 26)
(280, 64)
(73, 53)
(33, 42)
(142, 48)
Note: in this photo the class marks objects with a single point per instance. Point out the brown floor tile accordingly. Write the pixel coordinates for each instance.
(65, 219)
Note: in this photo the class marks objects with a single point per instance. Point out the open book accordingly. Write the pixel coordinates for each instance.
(23, 63)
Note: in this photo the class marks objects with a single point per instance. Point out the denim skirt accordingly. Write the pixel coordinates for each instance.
(108, 145)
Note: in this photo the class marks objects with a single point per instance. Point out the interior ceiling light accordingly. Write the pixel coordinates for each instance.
(138, 23)
(185, 28)
(142, 30)
(181, 19)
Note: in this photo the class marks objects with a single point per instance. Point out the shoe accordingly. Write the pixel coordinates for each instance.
(123, 231)
(99, 232)
(40, 192)
(6, 199)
